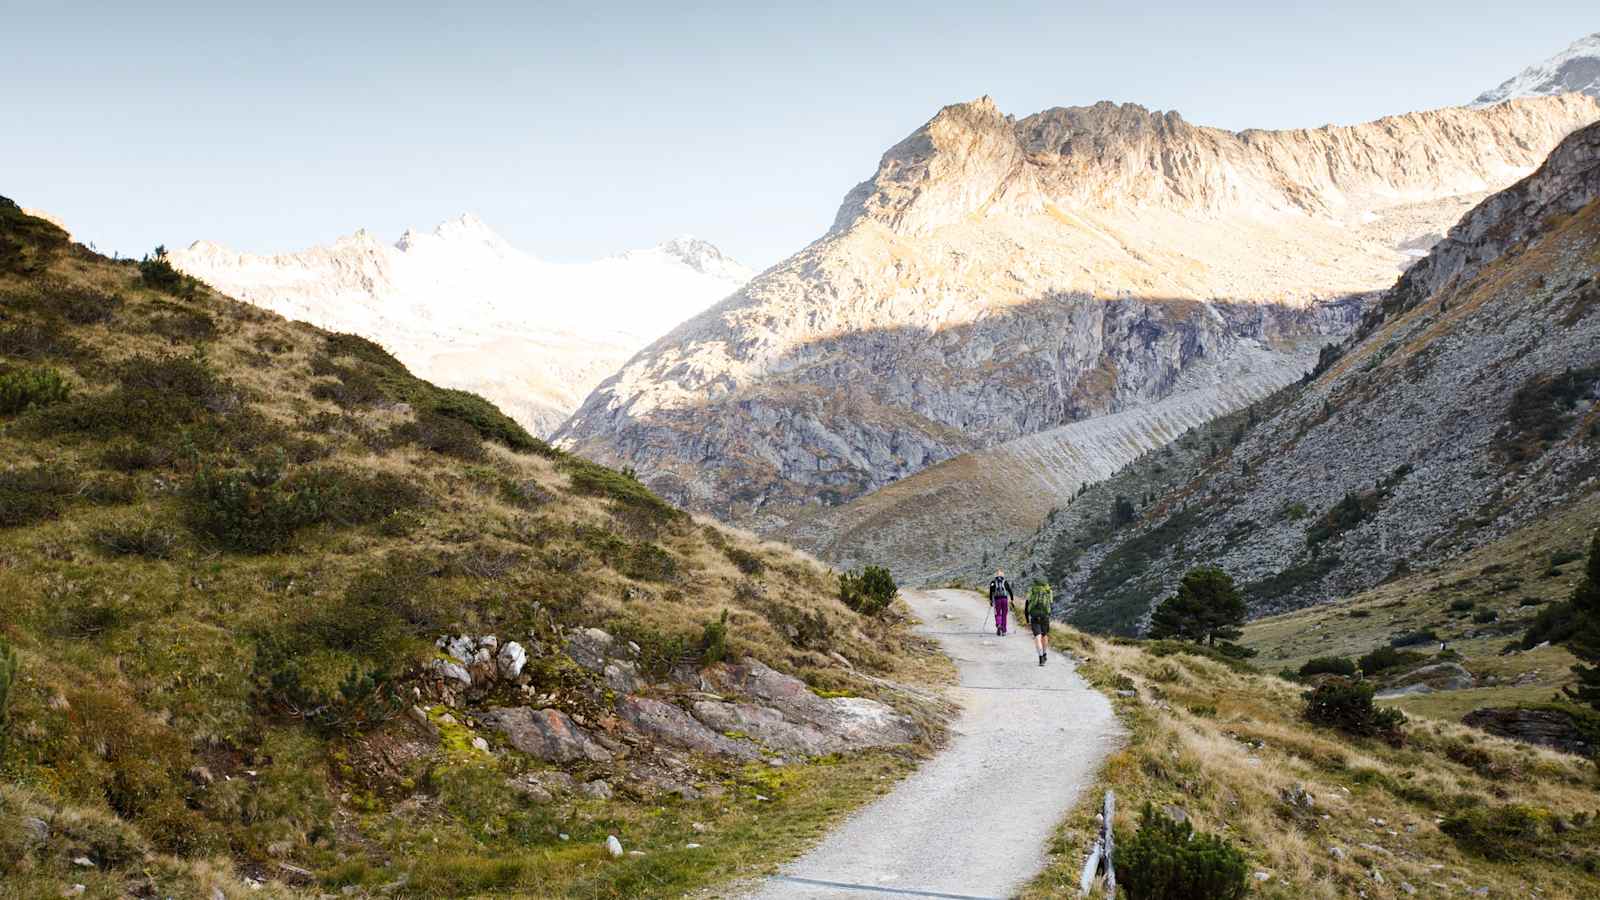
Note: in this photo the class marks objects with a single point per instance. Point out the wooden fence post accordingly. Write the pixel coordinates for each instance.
(1100, 855)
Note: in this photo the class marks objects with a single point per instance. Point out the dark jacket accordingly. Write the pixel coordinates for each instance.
(999, 587)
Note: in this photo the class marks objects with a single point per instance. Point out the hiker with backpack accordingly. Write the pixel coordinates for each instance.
(1000, 599)
(1040, 599)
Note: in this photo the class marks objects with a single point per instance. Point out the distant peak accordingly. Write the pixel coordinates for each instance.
(1574, 70)
(465, 228)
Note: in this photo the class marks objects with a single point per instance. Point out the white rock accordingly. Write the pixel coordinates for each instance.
(511, 659)
(613, 846)
(74, 891)
(691, 846)
(481, 745)
(83, 861)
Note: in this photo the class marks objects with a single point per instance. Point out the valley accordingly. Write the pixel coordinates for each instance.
(433, 568)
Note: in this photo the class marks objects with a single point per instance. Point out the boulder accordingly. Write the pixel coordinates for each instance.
(1445, 676)
(856, 721)
(591, 648)
(622, 676)
(510, 660)
(1545, 727)
(768, 726)
(547, 734)
(451, 672)
(668, 724)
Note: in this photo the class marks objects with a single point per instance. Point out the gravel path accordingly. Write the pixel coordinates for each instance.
(974, 820)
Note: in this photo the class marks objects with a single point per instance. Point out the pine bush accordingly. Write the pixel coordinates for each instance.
(868, 591)
(1168, 860)
(25, 389)
(1347, 705)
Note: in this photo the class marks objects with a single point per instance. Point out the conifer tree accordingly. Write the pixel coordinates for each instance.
(1585, 641)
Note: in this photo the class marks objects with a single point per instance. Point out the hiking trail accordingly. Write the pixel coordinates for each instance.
(973, 821)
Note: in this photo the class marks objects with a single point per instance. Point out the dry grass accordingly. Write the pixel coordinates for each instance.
(1225, 745)
(137, 670)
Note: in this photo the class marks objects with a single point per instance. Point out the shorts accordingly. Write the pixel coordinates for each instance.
(1040, 625)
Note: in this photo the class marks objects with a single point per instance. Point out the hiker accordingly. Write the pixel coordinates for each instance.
(1000, 599)
(1040, 598)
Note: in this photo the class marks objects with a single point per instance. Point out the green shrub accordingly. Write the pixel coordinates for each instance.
(1501, 833)
(158, 398)
(1485, 616)
(1385, 658)
(1461, 606)
(83, 306)
(259, 511)
(112, 490)
(443, 435)
(745, 561)
(868, 591)
(598, 481)
(8, 677)
(1168, 860)
(183, 326)
(25, 389)
(38, 340)
(1328, 665)
(132, 456)
(487, 420)
(27, 243)
(1541, 411)
(1347, 705)
(714, 642)
(649, 562)
(156, 273)
(136, 539)
(1412, 638)
(1349, 512)
(35, 494)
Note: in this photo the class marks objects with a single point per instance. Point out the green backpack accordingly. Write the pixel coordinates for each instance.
(1040, 598)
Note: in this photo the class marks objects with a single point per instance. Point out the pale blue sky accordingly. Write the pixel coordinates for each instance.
(579, 129)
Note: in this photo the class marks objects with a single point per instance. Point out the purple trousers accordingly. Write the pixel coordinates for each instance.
(1002, 606)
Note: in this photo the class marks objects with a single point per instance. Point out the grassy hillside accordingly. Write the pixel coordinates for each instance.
(1444, 811)
(1478, 605)
(228, 544)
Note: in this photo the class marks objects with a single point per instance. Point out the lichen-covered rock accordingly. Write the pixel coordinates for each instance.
(663, 722)
(855, 721)
(547, 734)
(768, 726)
(591, 648)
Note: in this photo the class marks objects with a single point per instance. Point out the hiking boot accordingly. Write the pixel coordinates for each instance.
(1041, 659)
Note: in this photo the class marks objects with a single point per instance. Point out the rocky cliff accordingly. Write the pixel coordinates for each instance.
(1466, 409)
(461, 306)
(996, 278)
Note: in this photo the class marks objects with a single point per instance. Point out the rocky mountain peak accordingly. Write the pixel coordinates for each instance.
(1576, 68)
(701, 256)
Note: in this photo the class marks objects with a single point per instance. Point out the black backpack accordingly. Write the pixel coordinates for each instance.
(999, 587)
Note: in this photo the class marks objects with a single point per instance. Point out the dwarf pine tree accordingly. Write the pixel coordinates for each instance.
(1585, 641)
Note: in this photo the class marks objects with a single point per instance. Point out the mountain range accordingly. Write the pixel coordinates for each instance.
(1466, 407)
(998, 278)
(461, 306)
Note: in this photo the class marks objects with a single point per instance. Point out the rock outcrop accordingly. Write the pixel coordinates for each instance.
(998, 277)
(1468, 407)
(546, 734)
(1546, 727)
(463, 308)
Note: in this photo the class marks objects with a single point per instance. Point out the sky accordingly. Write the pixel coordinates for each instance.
(578, 130)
